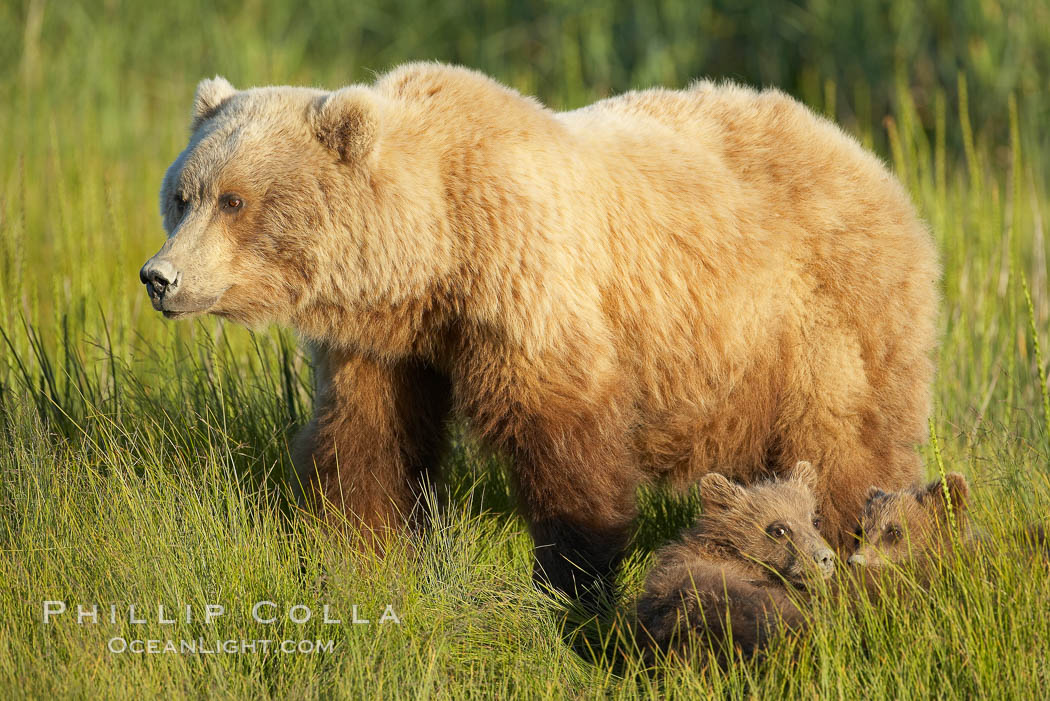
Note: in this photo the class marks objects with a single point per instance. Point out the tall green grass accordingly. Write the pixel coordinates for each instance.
(147, 462)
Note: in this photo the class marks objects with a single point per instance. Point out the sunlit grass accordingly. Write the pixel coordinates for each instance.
(147, 462)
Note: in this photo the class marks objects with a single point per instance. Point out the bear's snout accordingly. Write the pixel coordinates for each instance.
(159, 277)
(825, 560)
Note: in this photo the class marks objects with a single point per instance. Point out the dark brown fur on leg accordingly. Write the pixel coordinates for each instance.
(376, 439)
(571, 466)
(576, 486)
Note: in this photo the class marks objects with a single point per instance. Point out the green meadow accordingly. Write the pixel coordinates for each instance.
(146, 462)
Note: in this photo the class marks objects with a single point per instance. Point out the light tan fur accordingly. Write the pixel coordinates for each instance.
(648, 287)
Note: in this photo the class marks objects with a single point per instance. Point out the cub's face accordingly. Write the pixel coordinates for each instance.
(773, 523)
(246, 205)
(898, 526)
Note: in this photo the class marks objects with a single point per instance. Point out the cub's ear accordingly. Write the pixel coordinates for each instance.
(347, 121)
(716, 492)
(958, 491)
(211, 93)
(804, 472)
(873, 494)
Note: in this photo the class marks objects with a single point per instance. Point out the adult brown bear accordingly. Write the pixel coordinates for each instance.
(657, 285)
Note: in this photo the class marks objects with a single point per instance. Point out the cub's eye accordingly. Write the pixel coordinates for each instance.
(777, 530)
(818, 522)
(180, 202)
(230, 202)
(893, 534)
(858, 533)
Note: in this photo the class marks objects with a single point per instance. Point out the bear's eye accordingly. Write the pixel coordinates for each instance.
(858, 533)
(817, 522)
(180, 201)
(893, 533)
(230, 202)
(777, 530)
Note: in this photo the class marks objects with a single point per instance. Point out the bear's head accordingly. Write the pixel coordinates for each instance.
(897, 526)
(774, 523)
(279, 207)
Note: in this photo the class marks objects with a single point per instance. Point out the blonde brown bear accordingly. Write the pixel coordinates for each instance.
(646, 288)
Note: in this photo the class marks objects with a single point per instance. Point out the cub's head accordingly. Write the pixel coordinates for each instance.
(896, 526)
(774, 523)
(267, 207)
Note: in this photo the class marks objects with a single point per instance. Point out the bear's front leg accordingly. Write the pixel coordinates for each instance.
(575, 479)
(376, 438)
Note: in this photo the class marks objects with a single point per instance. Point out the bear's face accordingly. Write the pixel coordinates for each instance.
(773, 523)
(247, 206)
(897, 526)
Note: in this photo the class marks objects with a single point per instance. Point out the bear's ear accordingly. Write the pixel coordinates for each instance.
(804, 472)
(957, 488)
(716, 492)
(873, 494)
(211, 93)
(347, 121)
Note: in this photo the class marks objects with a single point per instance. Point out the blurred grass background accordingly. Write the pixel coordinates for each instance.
(144, 461)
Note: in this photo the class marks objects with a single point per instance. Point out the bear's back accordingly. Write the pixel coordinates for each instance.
(786, 154)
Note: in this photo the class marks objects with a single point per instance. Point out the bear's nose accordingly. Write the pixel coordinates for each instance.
(825, 559)
(158, 277)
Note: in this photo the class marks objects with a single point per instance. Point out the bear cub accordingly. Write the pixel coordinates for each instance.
(728, 582)
(913, 526)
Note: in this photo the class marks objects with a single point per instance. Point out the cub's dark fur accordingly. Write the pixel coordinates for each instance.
(913, 526)
(727, 583)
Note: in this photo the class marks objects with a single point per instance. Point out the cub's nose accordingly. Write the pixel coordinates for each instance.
(825, 559)
(158, 276)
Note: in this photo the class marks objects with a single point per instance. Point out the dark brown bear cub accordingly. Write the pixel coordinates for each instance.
(914, 526)
(727, 583)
